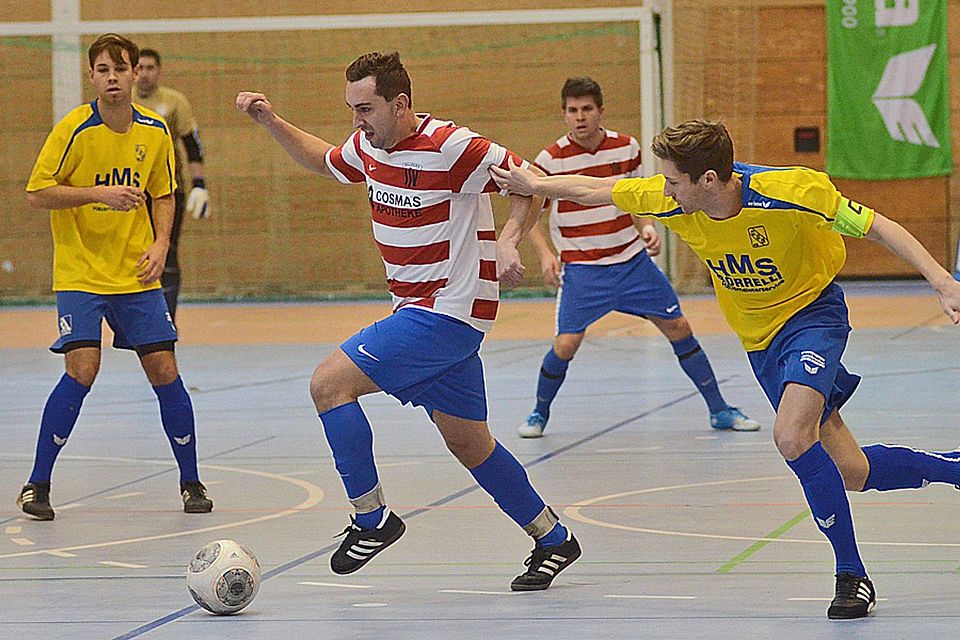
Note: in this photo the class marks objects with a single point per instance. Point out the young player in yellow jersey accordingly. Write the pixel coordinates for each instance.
(94, 172)
(772, 240)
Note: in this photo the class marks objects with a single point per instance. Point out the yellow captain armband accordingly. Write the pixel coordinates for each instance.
(852, 218)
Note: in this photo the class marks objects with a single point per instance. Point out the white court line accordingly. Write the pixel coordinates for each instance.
(477, 593)
(61, 554)
(641, 597)
(123, 565)
(23, 542)
(299, 473)
(370, 604)
(765, 443)
(629, 449)
(334, 585)
(824, 599)
(706, 437)
(120, 496)
(12, 530)
(399, 464)
(72, 505)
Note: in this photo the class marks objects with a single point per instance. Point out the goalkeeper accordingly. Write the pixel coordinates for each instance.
(175, 109)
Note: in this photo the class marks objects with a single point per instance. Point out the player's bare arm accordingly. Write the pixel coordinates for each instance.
(120, 197)
(150, 265)
(524, 214)
(901, 243)
(549, 264)
(308, 150)
(582, 189)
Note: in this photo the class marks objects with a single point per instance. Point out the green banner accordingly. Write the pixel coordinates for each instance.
(888, 105)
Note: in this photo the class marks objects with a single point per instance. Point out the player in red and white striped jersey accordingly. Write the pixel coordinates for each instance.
(604, 264)
(428, 185)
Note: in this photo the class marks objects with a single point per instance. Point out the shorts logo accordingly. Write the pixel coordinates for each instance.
(758, 237)
(66, 325)
(812, 361)
(360, 348)
(672, 308)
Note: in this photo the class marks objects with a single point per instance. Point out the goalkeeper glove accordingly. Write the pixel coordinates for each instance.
(198, 202)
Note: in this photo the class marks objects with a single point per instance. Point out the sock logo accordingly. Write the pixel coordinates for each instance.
(829, 522)
(185, 440)
(812, 361)
(57, 440)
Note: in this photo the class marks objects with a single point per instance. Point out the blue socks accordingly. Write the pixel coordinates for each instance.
(505, 479)
(351, 441)
(896, 467)
(176, 414)
(695, 364)
(59, 416)
(552, 372)
(823, 487)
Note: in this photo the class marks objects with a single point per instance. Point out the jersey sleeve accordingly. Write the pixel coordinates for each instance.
(53, 162)
(636, 160)
(161, 181)
(471, 155)
(345, 161)
(644, 197)
(185, 122)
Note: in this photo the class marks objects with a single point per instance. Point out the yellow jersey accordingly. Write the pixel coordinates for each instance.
(175, 110)
(775, 256)
(96, 248)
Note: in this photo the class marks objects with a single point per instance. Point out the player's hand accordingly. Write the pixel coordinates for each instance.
(550, 270)
(651, 238)
(509, 268)
(121, 197)
(198, 202)
(150, 265)
(256, 106)
(515, 179)
(949, 297)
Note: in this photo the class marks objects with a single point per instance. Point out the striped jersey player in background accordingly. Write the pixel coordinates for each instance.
(428, 183)
(772, 239)
(604, 263)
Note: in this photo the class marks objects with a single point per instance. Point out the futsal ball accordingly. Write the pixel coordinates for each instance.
(223, 577)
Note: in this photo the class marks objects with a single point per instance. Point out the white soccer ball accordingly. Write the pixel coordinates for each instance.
(223, 577)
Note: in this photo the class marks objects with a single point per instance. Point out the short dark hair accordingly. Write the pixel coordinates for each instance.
(115, 45)
(580, 87)
(387, 70)
(151, 53)
(697, 146)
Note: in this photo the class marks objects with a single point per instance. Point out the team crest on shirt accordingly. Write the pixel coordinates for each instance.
(141, 152)
(411, 174)
(758, 237)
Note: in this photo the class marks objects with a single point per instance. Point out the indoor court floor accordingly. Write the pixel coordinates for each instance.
(686, 532)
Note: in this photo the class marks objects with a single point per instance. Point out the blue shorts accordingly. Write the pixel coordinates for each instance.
(807, 351)
(137, 319)
(589, 291)
(425, 359)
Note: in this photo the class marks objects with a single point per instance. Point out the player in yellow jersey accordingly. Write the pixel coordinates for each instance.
(772, 240)
(176, 112)
(94, 173)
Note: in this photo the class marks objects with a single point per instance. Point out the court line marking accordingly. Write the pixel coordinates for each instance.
(647, 597)
(471, 592)
(123, 565)
(629, 450)
(23, 542)
(744, 555)
(12, 530)
(824, 599)
(176, 615)
(574, 513)
(370, 604)
(121, 496)
(314, 496)
(309, 583)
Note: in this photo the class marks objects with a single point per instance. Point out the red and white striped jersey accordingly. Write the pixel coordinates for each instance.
(593, 234)
(432, 218)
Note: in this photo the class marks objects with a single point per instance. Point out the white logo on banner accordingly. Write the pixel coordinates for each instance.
(893, 97)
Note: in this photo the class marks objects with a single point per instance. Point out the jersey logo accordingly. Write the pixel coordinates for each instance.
(411, 175)
(360, 348)
(758, 237)
(140, 151)
(812, 361)
(66, 324)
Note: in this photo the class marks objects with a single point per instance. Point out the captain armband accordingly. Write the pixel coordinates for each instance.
(852, 218)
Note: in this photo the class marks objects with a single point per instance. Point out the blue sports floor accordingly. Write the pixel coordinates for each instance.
(687, 533)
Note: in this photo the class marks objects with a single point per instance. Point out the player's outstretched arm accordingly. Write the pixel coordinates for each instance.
(524, 215)
(582, 189)
(307, 149)
(901, 242)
